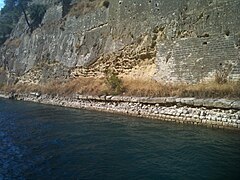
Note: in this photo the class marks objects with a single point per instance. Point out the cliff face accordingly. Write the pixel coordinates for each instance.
(184, 40)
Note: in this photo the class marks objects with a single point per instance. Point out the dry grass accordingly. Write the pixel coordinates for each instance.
(138, 87)
(13, 42)
(213, 90)
(210, 89)
(201, 90)
(81, 85)
(131, 87)
(84, 7)
(80, 9)
(85, 85)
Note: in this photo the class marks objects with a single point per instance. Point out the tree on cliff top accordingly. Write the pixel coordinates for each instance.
(9, 17)
(12, 11)
(66, 6)
(14, 5)
(36, 13)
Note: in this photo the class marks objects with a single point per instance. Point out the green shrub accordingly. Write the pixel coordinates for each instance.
(37, 12)
(114, 83)
(221, 75)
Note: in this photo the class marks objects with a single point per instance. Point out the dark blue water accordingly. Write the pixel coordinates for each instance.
(46, 142)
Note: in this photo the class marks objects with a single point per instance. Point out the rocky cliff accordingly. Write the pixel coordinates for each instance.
(166, 40)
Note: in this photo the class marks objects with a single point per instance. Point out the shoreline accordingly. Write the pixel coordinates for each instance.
(213, 113)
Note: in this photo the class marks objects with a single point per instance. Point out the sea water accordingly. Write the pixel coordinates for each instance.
(46, 142)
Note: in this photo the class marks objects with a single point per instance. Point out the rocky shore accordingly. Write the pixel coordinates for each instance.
(215, 113)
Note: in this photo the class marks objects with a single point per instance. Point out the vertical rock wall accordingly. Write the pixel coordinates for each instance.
(192, 39)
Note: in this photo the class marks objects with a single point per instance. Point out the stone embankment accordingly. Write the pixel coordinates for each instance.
(216, 113)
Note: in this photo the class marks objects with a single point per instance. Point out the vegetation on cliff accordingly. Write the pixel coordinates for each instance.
(112, 85)
(11, 12)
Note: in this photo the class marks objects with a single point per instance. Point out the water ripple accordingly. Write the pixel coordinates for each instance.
(46, 142)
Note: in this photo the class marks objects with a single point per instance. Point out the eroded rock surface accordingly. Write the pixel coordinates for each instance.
(186, 40)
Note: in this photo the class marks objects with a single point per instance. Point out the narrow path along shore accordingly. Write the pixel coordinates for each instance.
(215, 113)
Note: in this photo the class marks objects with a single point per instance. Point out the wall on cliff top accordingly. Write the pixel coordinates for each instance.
(191, 39)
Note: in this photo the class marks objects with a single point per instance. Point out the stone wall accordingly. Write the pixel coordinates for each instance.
(214, 113)
(194, 59)
(192, 39)
(206, 40)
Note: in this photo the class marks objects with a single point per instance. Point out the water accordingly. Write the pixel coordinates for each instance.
(46, 142)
